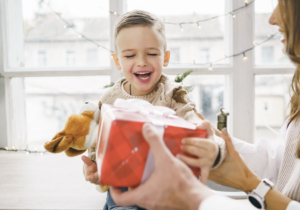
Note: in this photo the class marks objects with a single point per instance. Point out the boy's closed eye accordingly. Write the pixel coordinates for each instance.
(129, 56)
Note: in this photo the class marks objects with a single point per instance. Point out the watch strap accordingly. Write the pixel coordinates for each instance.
(263, 188)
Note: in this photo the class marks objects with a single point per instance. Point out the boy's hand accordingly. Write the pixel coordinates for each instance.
(205, 150)
(91, 174)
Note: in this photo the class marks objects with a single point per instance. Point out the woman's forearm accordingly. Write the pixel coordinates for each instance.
(276, 201)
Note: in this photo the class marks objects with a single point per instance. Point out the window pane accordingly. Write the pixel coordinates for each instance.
(188, 43)
(50, 101)
(207, 93)
(270, 52)
(56, 33)
(271, 104)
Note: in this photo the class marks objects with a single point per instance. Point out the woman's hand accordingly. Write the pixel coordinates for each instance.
(205, 150)
(91, 174)
(234, 172)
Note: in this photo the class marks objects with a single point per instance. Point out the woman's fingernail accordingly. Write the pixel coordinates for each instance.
(183, 141)
(225, 131)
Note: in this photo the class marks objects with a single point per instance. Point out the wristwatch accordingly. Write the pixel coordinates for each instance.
(257, 196)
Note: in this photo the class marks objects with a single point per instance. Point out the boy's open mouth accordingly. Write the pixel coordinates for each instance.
(143, 75)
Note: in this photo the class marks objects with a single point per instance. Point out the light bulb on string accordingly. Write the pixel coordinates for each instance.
(210, 68)
(254, 42)
(115, 13)
(246, 2)
(181, 27)
(27, 153)
(41, 153)
(80, 36)
(199, 26)
(233, 15)
(6, 148)
(245, 57)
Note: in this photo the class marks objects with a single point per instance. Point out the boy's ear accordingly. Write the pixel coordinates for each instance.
(116, 60)
(167, 58)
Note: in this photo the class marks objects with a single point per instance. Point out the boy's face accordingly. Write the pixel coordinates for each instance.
(141, 57)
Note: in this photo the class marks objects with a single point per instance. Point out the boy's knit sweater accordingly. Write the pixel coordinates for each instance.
(166, 93)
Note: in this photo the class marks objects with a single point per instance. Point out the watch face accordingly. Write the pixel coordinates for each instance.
(255, 202)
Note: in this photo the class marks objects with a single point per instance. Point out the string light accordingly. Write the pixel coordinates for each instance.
(69, 25)
(80, 36)
(199, 26)
(254, 42)
(27, 151)
(237, 54)
(115, 13)
(245, 57)
(181, 28)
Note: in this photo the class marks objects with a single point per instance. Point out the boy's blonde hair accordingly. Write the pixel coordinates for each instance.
(139, 18)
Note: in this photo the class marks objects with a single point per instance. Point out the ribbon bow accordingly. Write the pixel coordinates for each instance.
(144, 107)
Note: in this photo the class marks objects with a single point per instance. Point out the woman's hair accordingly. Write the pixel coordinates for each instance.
(290, 20)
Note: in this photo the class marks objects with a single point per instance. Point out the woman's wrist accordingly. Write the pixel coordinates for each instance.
(251, 183)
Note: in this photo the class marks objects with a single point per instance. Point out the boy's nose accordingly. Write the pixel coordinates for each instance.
(142, 62)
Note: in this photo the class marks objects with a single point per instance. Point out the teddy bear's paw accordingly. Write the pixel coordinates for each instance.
(73, 152)
(59, 143)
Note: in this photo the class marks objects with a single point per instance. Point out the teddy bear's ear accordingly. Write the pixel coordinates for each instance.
(71, 152)
(59, 143)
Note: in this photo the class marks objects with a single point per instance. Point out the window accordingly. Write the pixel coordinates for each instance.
(175, 56)
(42, 58)
(70, 58)
(204, 55)
(52, 55)
(267, 54)
(92, 57)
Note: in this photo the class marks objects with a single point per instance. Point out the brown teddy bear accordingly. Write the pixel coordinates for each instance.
(80, 134)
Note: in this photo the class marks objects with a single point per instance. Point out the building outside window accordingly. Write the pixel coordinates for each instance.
(42, 58)
(70, 58)
(267, 54)
(175, 56)
(92, 56)
(204, 55)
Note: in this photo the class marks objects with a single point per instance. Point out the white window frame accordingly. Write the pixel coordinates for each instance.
(240, 74)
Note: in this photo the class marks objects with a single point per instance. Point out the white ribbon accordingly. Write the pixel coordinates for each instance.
(146, 109)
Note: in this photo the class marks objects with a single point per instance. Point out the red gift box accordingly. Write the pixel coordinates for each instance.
(122, 154)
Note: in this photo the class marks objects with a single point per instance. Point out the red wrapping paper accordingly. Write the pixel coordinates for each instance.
(122, 151)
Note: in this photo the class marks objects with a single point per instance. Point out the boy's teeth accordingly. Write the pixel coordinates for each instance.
(143, 75)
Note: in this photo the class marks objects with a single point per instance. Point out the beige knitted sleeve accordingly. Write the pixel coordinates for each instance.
(186, 109)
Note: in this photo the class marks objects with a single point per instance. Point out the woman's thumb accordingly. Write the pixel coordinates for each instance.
(155, 141)
(227, 139)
